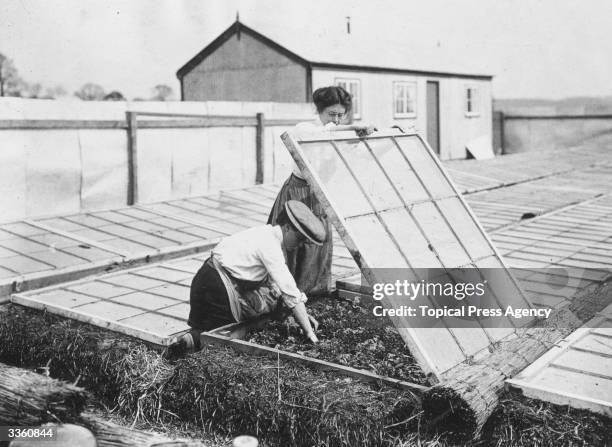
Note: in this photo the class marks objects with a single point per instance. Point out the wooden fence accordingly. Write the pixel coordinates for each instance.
(258, 136)
(525, 133)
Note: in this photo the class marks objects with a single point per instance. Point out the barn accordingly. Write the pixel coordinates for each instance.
(392, 84)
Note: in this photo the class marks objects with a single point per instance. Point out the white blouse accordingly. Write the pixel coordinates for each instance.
(309, 129)
(253, 254)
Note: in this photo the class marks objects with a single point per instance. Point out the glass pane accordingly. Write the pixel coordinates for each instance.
(369, 174)
(501, 285)
(342, 189)
(410, 239)
(425, 167)
(375, 245)
(439, 235)
(411, 99)
(398, 170)
(354, 90)
(465, 228)
(398, 98)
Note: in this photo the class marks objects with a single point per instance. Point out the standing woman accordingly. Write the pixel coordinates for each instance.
(310, 264)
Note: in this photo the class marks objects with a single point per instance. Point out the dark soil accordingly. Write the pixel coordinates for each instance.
(349, 335)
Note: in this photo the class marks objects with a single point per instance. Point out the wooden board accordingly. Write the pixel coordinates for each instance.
(481, 148)
(392, 203)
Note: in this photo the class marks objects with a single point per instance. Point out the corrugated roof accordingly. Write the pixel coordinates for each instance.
(354, 51)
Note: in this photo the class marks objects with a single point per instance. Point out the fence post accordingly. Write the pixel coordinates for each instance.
(498, 132)
(259, 148)
(132, 131)
(502, 127)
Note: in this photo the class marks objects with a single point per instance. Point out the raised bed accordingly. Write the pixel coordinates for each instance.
(217, 390)
(352, 341)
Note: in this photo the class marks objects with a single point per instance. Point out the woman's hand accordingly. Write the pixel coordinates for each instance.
(314, 323)
(364, 131)
(305, 321)
(312, 337)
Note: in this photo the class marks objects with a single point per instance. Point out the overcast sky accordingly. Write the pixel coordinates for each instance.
(535, 48)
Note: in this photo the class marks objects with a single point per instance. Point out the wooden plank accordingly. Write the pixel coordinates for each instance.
(197, 123)
(559, 117)
(191, 121)
(47, 124)
(132, 158)
(6, 288)
(283, 122)
(259, 148)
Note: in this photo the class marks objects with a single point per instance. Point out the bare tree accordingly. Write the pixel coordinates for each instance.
(10, 82)
(162, 92)
(90, 92)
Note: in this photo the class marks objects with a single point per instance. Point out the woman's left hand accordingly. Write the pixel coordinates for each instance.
(364, 131)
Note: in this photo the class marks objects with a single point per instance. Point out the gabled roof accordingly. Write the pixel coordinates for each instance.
(349, 52)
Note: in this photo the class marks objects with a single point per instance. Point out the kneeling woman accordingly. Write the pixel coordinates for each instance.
(247, 276)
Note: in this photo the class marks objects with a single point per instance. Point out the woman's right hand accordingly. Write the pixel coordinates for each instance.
(304, 320)
(312, 337)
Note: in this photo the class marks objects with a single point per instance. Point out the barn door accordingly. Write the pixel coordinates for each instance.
(433, 115)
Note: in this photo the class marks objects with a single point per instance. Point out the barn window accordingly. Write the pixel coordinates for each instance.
(353, 86)
(472, 101)
(404, 99)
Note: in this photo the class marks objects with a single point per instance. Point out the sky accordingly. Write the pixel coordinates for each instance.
(534, 48)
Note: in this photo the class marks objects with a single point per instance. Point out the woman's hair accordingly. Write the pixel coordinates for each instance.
(328, 96)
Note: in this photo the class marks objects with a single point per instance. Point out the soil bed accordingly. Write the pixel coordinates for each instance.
(217, 394)
(350, 335)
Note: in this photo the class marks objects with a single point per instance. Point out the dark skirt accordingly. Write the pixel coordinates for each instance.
(310, 264)
(208, 300)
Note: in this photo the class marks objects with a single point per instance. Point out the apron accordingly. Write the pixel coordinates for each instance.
(248, 299)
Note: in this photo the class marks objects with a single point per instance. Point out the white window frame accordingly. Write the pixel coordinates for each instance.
(409, 86)
(353, 86)
(472, 101)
